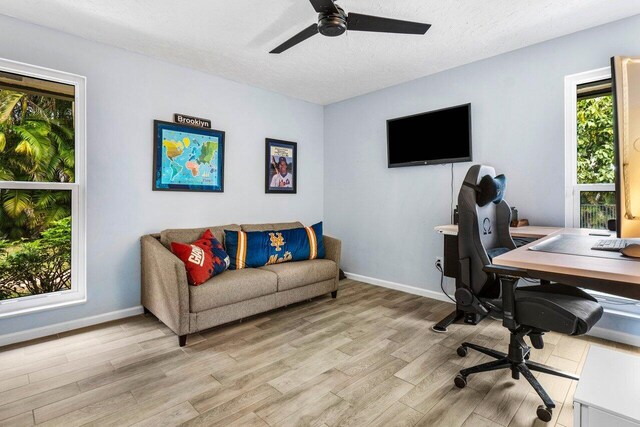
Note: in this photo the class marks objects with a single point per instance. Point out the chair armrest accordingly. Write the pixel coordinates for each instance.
(505, 271)
(333, 250)
(509, 277)
(508, 290)
(165, 290)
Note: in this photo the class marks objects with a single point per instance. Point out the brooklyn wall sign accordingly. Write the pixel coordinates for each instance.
(191, 121)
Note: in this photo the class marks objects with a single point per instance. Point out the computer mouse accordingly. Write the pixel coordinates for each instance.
(632, 250)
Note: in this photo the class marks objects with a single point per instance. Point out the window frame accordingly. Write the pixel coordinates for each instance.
(78, 292)
(572, 188)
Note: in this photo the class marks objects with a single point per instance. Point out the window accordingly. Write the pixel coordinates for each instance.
(590, 164)
(42, 211)
(590, 171)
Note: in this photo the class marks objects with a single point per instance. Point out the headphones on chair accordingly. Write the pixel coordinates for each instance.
(489, 189)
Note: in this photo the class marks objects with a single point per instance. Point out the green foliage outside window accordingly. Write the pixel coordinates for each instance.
(596, 160)
(595, 141)
(38, 266)
(36, 144)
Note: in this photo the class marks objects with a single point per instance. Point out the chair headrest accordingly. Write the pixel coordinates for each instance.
(489, 189)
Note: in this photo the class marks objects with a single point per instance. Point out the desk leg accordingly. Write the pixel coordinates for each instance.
(453, 317)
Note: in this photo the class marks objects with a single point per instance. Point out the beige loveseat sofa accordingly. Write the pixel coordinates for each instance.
(234, 294)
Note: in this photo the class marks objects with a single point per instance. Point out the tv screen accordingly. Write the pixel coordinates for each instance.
(435, 137)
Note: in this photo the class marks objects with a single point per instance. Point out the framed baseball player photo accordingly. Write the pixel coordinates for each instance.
(281, 166)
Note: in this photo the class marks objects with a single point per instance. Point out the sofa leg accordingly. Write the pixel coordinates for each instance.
(146, 310)
(334, 294)
(182, 340)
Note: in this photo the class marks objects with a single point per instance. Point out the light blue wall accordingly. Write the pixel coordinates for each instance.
(125, 92)
(385, 217)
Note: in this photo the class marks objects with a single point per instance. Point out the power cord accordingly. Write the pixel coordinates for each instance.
(439, 268)
(451, 206)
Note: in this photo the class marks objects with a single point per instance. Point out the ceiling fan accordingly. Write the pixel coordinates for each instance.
(334, 21)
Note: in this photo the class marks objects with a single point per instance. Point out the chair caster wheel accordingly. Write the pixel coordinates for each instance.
(462, 351)
(460, 381)
(544, 413)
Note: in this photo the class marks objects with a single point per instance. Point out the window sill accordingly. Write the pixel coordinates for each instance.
(38, 303)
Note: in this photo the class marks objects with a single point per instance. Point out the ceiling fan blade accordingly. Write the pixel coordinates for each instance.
(324, 6)
(358, 22)
(298, 38)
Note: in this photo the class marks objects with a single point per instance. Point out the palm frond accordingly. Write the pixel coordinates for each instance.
(35, 141)
(6, 174)
(15, 202)
(25, 148)
(58, 127)
(8, 101)
(55, 213)
(68, 157)
(45, 199)
(37, 111)
(20, 166)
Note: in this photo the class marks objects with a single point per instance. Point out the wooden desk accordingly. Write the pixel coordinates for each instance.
(526, 231)
(612, 276)
(450, 232)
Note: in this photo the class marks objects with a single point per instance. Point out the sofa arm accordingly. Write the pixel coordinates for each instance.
(165, 291)
(333, 248)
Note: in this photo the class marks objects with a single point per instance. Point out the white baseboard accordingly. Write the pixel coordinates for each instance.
(68, 326)
(399, 287)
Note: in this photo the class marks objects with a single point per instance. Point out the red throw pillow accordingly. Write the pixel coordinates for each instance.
(203, 258)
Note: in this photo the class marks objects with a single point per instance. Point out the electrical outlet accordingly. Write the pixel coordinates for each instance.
(439, 262)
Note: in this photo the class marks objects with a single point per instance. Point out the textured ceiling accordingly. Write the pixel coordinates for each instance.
(232, 38)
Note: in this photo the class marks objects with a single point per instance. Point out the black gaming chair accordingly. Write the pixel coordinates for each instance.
(489, 290)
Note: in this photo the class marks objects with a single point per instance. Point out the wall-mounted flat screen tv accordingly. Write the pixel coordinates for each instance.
(431, 138)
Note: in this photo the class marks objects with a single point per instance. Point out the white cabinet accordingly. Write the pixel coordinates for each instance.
(608, 393)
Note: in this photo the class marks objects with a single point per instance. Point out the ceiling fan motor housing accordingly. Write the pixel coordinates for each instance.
(332, 24)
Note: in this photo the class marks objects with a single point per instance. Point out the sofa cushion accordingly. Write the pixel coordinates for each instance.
(269, 227)
(301, 273)
(203, 258)
(188, 235)
(231, 287)
(258, 248)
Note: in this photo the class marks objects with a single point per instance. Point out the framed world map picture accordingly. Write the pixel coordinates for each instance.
(187, 158)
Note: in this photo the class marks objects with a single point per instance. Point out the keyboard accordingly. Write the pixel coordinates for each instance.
(613, 245)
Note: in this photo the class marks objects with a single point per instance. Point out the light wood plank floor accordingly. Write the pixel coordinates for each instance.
(365, 358)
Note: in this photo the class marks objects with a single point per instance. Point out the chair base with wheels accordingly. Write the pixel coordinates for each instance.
(573, 312)
(517, 360)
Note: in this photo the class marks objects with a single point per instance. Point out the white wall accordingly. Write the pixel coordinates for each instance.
(125, 92)
(385, 217)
